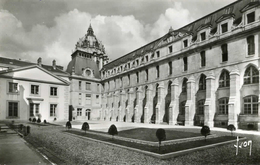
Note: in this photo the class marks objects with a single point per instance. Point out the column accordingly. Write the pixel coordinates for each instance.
(160, 107)
(174, 106)
(122, 106)
(138, 107)
(190, 104)
(130, 106)
(209, 106)
(148, 110)
(234, 98)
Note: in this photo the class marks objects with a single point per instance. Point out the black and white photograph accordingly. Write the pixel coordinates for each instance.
(129, 82)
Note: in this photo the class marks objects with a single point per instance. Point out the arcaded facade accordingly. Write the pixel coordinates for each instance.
(205, 73)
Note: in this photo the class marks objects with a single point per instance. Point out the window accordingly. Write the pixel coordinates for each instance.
(80, 99)
(250, 17)
(79, 111)
(203, 36)
(251, 105)
(97, 99)
(146, 57)
(223, 106)
(158, 54)
(185, 63)
(202, 82)
(146, 74)
(224, 28)
(128, 76)
(224, 79)
(53, 91)
(157, 71)
(224, 49)
(170, 67)
(13, 109)
(184, 85)
(200, 107)
(53, 108)
(137, 77)
(202, 59)
(137, 62)
(79, 85)
(87, 86)
(182, 108)
(170, 49)
(88, 99)
(34, 109)
(13, 87)
(121, 82)
(185, 43)
(251, 45)
(251, 75)
(35, 89)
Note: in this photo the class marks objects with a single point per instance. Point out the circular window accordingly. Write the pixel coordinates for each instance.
(88, 72)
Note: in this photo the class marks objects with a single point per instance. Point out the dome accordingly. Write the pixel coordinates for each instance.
(90, 44)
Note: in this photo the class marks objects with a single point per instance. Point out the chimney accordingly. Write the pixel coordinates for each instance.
(39, 61)
(54, 64)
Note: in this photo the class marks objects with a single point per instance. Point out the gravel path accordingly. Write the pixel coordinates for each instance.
(73, 150)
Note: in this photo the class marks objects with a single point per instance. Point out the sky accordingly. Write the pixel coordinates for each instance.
(49, 29)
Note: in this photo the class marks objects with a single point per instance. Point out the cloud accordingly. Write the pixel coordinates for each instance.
(119, 34)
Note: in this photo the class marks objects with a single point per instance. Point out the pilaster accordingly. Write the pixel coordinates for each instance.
(138, 107)
(190, 104)
(149, 105)
(209, 105)
(160, 107)
(174, 105)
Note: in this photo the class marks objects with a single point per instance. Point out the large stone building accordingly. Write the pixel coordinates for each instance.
(206, 72)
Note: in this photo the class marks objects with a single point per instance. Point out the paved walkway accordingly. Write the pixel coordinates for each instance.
(104, 125)
(14, 150)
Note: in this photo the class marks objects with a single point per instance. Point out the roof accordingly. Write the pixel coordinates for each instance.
(79, 64)
(14, 63)
(234, 9)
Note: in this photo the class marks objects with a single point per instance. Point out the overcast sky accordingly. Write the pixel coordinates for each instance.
(30, 29)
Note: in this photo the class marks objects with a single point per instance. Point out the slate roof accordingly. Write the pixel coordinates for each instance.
(234, 9)
(80, 63)
(14, 63)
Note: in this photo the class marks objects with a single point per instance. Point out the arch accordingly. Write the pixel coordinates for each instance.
(202, 82)
(251, 75)
(184, 85)
(224, 79)
(167, 102)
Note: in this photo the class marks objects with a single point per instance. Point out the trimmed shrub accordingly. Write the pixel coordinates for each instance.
(85, 126)
(231, 128)
(34, 120)
(68, 125)
(205, 131)
(161, 135)
(112, 130)
(45, 122)
(39, 120)
(55, 119)
(30, 119)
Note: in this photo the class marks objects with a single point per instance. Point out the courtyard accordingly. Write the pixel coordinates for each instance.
(61, 146)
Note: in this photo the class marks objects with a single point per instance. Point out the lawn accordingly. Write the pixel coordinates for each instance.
(150, 134)
(164, 149)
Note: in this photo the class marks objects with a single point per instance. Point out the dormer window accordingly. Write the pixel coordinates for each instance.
(203, 36)
(185, 43)
(224, 27)
(158, 54)
(250, 17)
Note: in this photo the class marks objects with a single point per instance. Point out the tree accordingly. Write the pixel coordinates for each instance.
(112, 130)
(85, 126)
(205, 131)
(231, 128)
(161, 135)
(68, 125)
